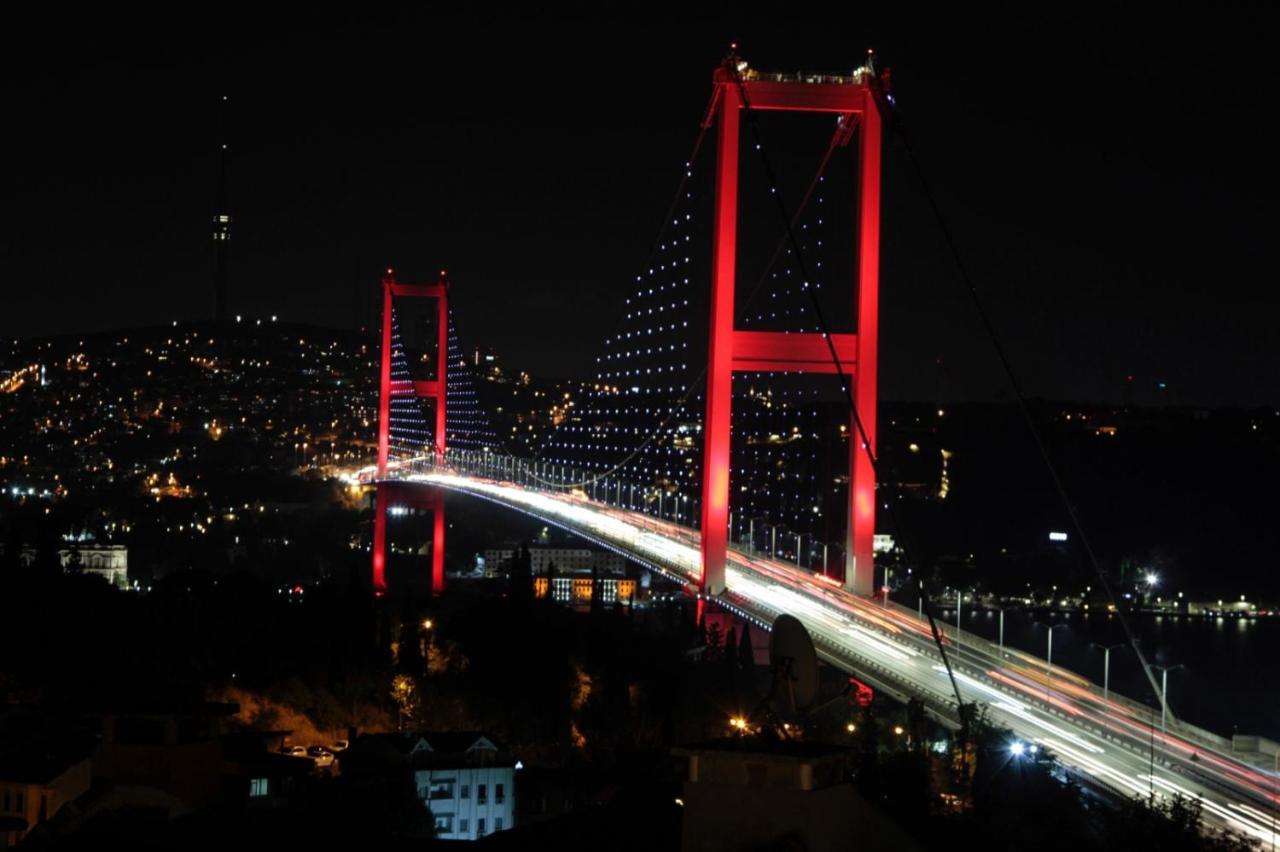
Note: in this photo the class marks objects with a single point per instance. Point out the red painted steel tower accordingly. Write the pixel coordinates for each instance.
(851, 98)
(433, 389)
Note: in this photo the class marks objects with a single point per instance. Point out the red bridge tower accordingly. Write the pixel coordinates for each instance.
(415, 497)
(851, 98)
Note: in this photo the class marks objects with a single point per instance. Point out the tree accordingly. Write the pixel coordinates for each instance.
(404, 691)
(597, 602)
(917, 724)
(729, 656)
(714, 641)
(746, 656)
(12, 560)
(409, 659)
(521, 574)
(75, 562)
(47, 561)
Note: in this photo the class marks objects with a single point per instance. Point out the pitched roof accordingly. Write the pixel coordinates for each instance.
(39, 761)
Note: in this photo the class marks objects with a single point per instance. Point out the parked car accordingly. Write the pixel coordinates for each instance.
(294, 751)
(321, 755)
(340, 745)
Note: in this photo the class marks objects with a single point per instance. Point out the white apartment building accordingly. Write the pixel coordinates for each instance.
(467, 781)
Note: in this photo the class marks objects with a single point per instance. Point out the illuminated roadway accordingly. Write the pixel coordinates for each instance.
(1113, 743)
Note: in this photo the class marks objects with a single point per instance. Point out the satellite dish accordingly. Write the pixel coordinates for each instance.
(795, 666)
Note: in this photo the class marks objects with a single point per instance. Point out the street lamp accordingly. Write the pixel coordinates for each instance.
(1000, 635)
(1106, 666)
(888, 572)
(1275, 788)
(1164, 693)
(1048, 679)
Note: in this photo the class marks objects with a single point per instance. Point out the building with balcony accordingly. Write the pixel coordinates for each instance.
(466, 778)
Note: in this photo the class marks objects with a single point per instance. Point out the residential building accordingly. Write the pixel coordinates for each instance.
(756, 793)
(41, 769)
(465, 778)
(567, 560)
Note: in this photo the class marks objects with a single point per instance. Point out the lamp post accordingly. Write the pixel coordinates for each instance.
(1275, 778)
(1106, 667)
(1048, 679)
(1000, 634)
(1164, 694)
(888, 572)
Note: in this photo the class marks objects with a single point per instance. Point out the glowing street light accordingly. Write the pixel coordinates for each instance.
(1048, 677)
(1106, 667)
(1164, 693)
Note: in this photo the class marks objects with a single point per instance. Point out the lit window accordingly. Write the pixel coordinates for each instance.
(257, 787)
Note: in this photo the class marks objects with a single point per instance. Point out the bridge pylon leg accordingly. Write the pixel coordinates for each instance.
(859, 573)
(380, 540)
(432, 501)
(437, 543)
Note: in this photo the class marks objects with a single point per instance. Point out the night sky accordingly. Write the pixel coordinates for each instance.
(1110, 180)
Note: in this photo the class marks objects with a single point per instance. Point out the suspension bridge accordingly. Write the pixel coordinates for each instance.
(730, 444)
